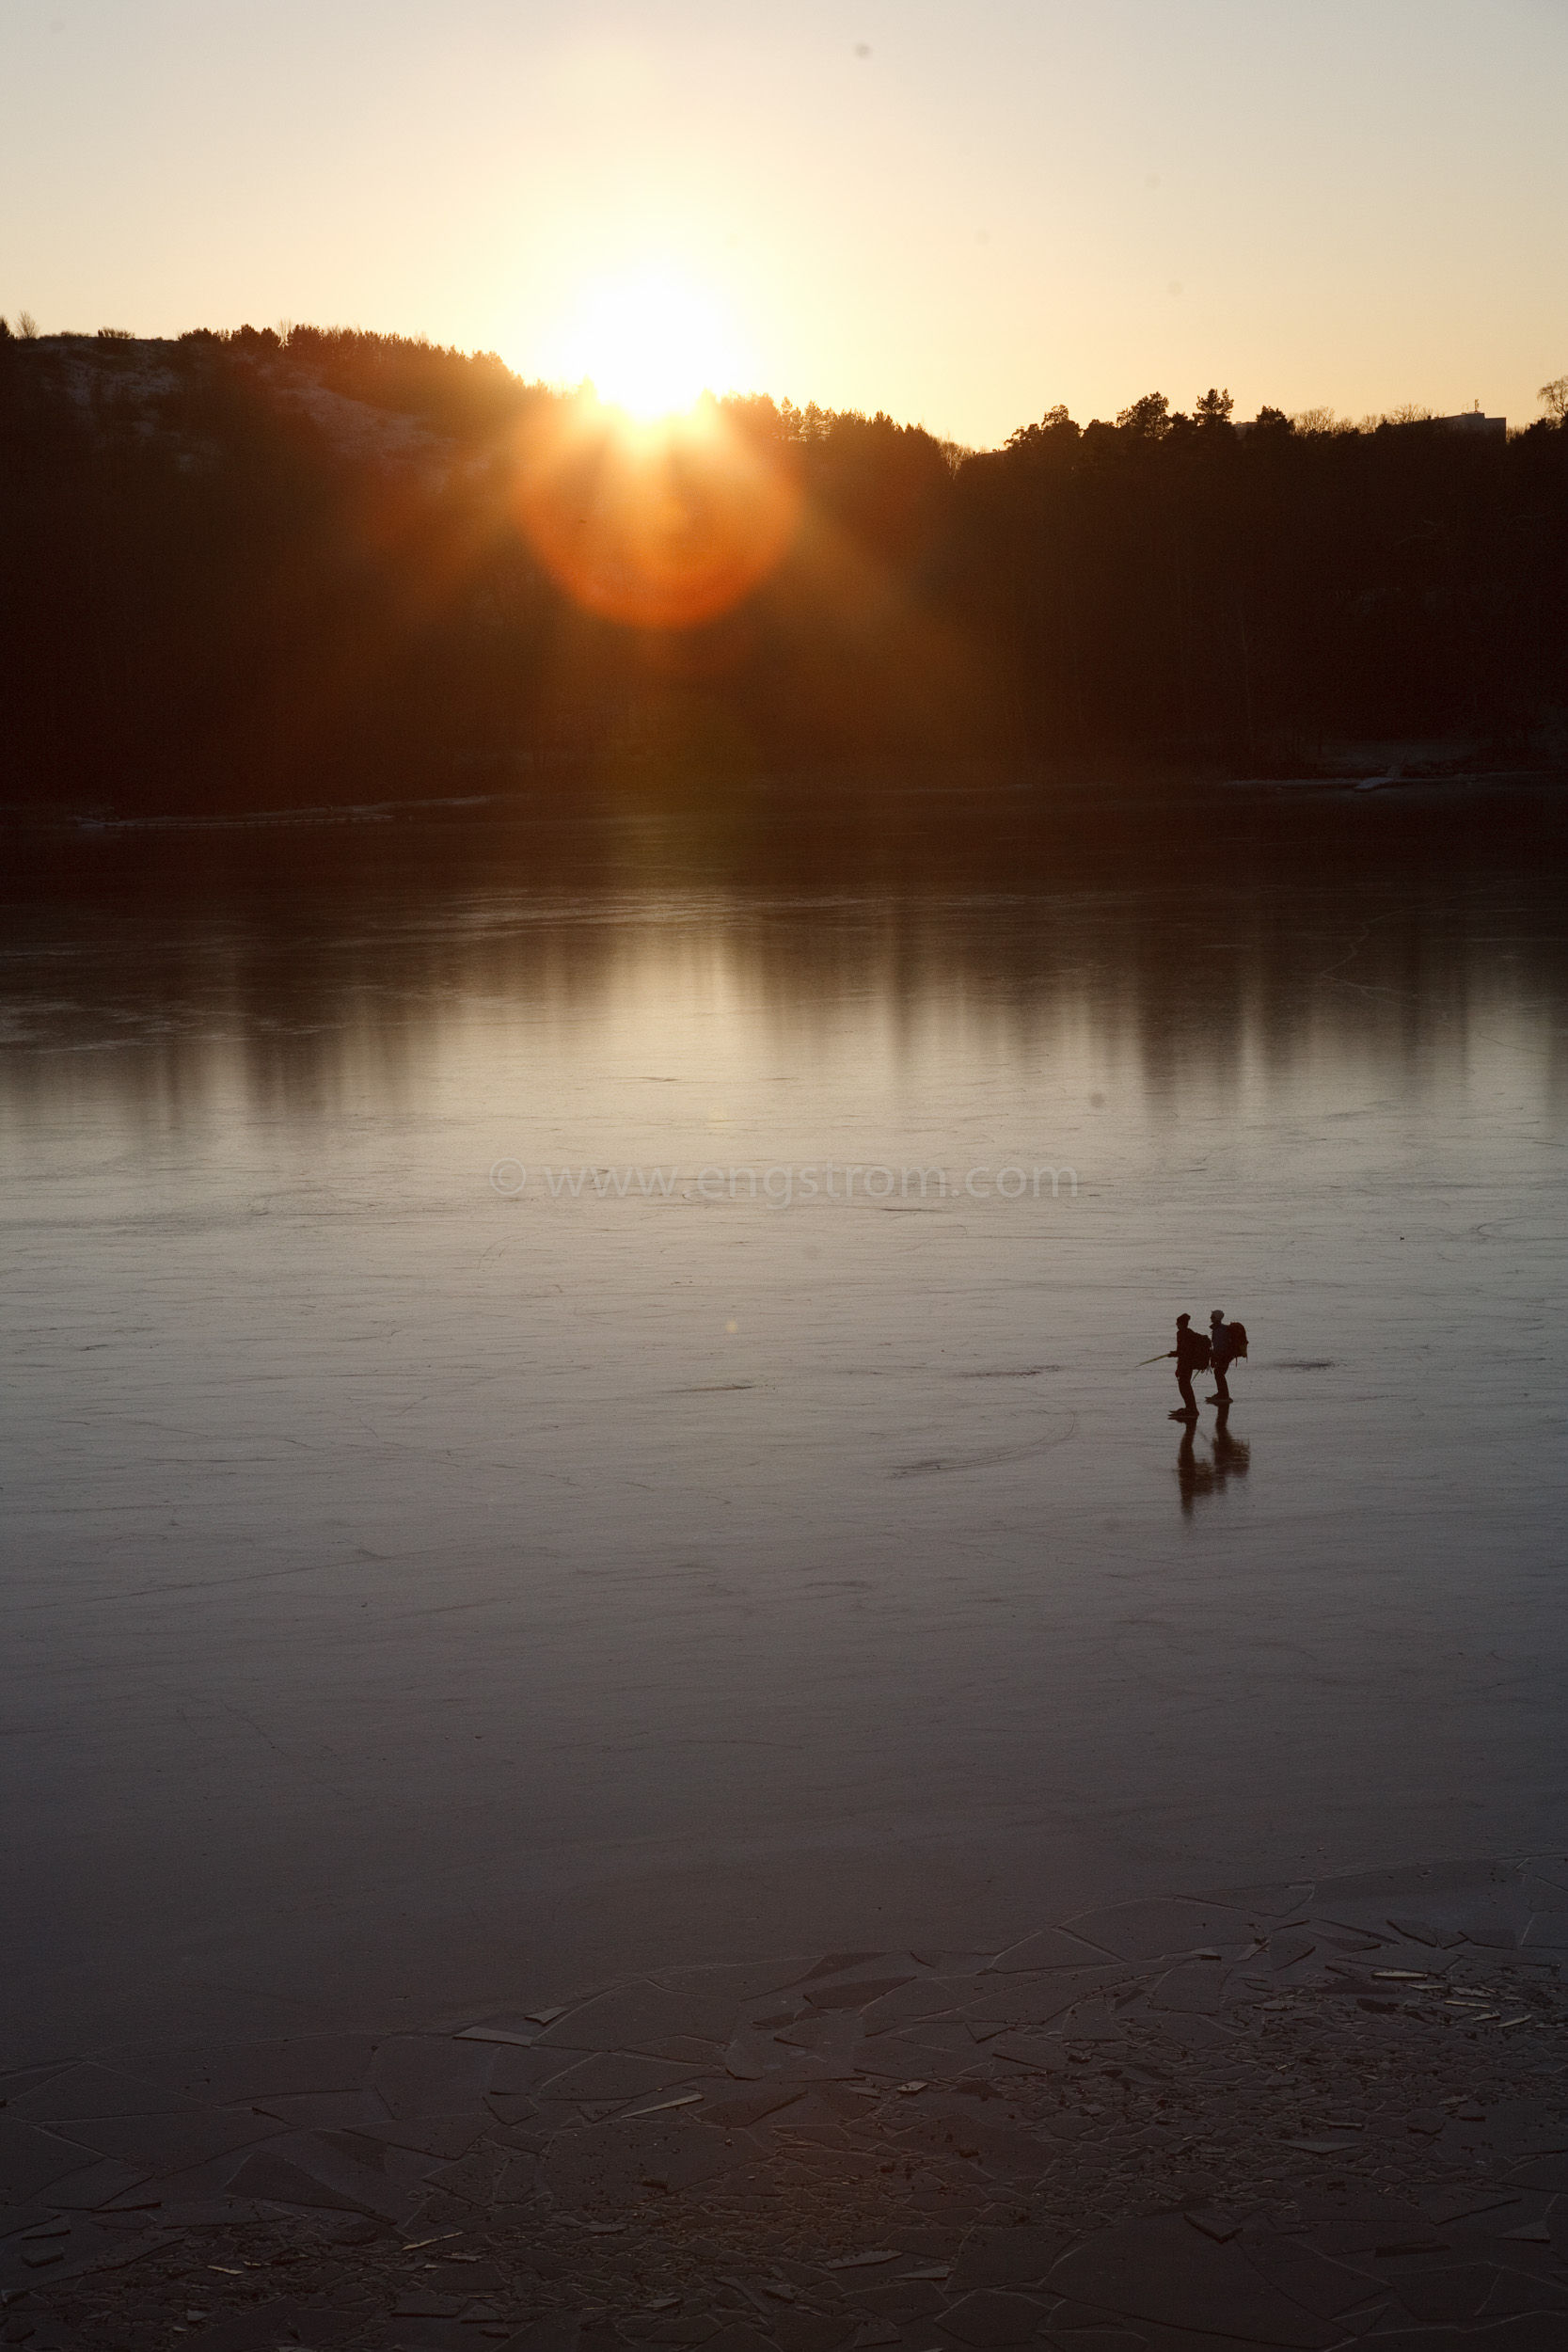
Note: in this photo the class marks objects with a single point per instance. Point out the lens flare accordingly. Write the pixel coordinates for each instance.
(662, 526)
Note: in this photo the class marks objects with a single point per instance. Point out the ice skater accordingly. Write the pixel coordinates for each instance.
(1226, 1341)
(1192, 1354)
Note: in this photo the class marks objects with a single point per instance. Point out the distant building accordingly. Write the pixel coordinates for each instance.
(1471, 421)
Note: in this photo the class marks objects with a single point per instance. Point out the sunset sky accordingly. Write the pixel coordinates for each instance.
(962, 213)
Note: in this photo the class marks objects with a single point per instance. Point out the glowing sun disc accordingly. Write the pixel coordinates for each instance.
(651, 344)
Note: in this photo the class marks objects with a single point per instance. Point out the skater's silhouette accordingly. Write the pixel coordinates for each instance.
(1219, 1352)
(1191, 1354)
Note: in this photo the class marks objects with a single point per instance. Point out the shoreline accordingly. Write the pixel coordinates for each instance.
(588, 789)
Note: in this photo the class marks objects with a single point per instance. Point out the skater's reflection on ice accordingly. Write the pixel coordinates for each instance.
(1198, 1474)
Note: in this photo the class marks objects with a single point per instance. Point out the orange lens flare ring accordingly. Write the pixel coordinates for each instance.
(662, 525)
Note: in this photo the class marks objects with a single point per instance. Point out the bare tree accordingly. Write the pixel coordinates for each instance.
(26, 326)
(1554, 395)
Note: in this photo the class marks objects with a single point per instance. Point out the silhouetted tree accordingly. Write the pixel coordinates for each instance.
(228, 560)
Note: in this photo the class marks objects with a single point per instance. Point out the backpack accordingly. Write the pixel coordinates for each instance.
(1235, 1340)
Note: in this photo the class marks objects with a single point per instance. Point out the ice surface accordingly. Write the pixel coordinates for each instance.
(411, 1591)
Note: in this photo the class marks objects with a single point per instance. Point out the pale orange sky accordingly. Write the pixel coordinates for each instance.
(958, 213)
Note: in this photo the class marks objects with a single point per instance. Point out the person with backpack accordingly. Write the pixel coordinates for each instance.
(1227, 1342)
(1192, 1354)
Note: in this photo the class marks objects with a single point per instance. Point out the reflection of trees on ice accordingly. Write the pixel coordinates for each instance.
(1229, 1457)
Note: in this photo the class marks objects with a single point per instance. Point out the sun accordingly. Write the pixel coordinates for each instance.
(650, 343)
(650, 505)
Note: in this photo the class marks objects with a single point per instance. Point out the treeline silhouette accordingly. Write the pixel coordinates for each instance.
(259, 566)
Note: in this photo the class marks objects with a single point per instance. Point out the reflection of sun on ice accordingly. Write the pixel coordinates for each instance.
(650, 345)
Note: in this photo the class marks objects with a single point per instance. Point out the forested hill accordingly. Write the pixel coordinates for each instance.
(227, 561)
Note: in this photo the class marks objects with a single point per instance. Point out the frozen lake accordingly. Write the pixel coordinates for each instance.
(418, 1585)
